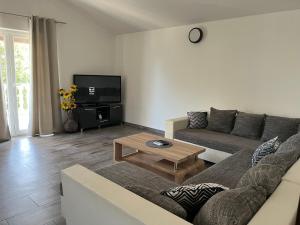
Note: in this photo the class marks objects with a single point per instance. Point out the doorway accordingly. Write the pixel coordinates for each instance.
(15, 75)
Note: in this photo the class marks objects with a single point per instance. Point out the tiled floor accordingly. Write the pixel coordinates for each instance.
(30, 172)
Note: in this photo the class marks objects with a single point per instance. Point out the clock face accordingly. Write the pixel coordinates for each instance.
(195, 35)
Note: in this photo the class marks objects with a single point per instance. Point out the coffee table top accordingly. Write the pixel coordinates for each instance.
(177, 153)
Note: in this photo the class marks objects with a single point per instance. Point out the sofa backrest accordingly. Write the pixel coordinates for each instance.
(282, 206)
(251, 125)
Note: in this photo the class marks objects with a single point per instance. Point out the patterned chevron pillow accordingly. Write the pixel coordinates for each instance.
(193, 197)
(197, 120)
(265, 149)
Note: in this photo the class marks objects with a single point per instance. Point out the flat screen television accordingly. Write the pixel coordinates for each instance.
(95, 89)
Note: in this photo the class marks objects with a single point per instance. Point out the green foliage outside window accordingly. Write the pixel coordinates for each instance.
(22, 70)
(21, 51)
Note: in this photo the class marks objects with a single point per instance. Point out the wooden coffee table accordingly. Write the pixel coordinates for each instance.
(178, 162)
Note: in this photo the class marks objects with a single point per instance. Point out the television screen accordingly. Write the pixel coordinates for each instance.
(97, 89)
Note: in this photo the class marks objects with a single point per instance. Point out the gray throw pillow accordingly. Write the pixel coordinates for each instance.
(264, 149)
(282, 127)
(221, 120)
(282, 160)
(197, 120)
(266, 176)
(248, 125)
(232, 207)
(192, 197)
(290, 145)
(158, 199)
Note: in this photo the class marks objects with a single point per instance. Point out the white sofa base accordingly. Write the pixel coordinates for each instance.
(90, 199)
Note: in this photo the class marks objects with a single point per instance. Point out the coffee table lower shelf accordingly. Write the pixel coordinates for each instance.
(164, 167)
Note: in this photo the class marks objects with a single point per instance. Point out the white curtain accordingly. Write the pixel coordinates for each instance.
(4, 130)
(45, 112)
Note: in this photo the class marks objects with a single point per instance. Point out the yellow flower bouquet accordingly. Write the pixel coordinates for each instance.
(68, 100)
(68, 104)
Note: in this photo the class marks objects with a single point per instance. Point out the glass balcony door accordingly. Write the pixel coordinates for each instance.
(15, 75)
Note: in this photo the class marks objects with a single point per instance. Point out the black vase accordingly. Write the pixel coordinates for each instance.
(70, 125)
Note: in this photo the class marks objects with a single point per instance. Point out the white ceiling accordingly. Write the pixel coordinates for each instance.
(124, 16)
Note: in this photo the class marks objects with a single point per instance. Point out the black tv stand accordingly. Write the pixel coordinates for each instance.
(99, 115)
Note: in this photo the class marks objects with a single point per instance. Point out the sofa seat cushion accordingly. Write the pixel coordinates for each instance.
(126, 174)
(216, 140)
(227, 172)
(158, 199)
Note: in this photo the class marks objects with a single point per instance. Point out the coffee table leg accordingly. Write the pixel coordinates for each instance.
(175, 166)
(118, 151)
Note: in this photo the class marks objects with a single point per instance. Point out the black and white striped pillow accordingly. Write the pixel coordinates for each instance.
(197, 120)
(265, 149)
(193, 197)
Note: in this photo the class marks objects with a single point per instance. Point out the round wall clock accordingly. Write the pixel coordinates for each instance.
(195, 35)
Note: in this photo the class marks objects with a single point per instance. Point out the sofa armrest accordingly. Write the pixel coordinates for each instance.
(292, 175)
(175, 124)
(281, 207)
(91, 199)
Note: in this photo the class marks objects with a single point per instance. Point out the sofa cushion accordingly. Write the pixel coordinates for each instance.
(227, 172)
(193, 197)
(280, 126)
(158, 199)
(221, 120)
(283, 160)
(264, 149)
(248, 125)
(290, 145)
(232, 207)
(216, 140)
(126, 174)
(266, 176)
(197, 120)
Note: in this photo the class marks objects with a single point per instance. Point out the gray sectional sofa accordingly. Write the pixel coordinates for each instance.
(118, 206)
(220, 145)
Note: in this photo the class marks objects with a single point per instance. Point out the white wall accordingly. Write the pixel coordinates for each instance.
(251, 64)
(84, 47)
